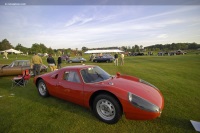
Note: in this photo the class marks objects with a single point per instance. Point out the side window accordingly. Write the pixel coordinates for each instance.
(65, 77)
(71, 76)
(20, 63)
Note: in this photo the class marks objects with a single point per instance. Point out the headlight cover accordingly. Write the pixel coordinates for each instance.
(142, 103)
(147, 83)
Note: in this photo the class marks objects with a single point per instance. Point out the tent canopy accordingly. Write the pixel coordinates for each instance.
(12, 51)
(104, 51)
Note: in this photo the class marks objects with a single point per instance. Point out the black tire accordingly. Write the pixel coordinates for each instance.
(107, 61)
(107, 109)
(81, 61)
(42, 88)
(70, 61)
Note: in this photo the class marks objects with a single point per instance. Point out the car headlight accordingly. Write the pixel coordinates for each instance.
(142, 103)
(147, 83)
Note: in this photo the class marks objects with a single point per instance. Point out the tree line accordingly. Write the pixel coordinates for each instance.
(173, 46)
(35, 48)
(41, 48)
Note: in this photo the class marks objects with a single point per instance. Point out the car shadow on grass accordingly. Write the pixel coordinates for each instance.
(30, 93)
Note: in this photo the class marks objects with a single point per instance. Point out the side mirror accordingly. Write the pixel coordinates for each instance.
(118, 74)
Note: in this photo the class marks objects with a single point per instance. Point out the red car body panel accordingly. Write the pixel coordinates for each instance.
(119, 86)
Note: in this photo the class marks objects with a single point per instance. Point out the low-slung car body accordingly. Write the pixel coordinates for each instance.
(76, 60)
(103, 59)
(107, 96)
(17, 67)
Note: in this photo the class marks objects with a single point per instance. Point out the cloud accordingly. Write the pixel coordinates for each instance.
(162, 36)
(78, 20)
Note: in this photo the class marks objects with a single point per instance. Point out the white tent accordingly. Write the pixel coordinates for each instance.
(12, 51)
(104, 51)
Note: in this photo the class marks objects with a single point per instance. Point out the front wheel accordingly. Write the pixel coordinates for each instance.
(107, 109)
(42, 89)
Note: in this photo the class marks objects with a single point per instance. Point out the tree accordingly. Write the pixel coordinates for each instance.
(124, 48)
(141, 47)
(50, 50)
(21, 48)
(39, 48)
(5, 44)
(193, 46)
(137, 49)
(84, 48)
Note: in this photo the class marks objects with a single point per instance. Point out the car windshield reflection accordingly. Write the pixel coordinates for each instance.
(94, 74)
(19, 63)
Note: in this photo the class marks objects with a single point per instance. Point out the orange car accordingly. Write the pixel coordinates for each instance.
(107, 96)
(16, 68)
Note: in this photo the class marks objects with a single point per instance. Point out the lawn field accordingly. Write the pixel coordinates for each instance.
(177, 77)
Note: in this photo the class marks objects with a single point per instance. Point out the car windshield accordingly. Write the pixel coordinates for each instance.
(19, 63)
(94, 74)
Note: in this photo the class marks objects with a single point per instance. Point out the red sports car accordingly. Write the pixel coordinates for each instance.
(107, 96)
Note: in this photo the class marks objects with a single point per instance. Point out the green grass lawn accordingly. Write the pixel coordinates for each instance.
(177, 77)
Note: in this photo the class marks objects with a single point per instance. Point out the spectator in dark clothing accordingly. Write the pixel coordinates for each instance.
(59, 62)
(116, 59)
(51, 62)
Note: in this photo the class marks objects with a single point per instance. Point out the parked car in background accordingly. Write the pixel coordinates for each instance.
(137, 54)
(17, 66)
(103, 59)
(65, 57)
(163, 53)
(109, 97)
(180, 52)
(76, 60)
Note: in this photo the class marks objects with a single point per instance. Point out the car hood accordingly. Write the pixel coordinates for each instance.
(140, 89)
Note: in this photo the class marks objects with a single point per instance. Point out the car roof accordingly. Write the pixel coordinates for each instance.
(21, 60)
(79, 66)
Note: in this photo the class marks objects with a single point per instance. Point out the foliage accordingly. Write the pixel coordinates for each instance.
(84, 48)
(21, 48)
(173, 46)
(5, 44)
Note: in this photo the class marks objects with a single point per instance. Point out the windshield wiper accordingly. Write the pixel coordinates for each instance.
(99, 75)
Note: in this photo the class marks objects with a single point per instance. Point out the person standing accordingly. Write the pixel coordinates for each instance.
(36, 63)
(51, 62)
(116, 59)
(122, 59)
(59, 62)
(5, 55)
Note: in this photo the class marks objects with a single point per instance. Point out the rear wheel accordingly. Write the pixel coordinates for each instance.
(70, 61)
(42, 89)
(107, 109)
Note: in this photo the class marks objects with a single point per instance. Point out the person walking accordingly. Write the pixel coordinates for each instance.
(51, 62)
(59, 62)
(36, 63)
(116, 59)
(122, 59)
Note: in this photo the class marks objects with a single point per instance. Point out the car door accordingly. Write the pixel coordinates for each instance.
(12, 69)
(75, 60)
(71, 87)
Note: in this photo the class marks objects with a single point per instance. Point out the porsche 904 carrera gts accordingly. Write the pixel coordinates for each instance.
(107, 96)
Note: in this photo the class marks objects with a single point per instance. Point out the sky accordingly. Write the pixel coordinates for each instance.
(93, 26)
